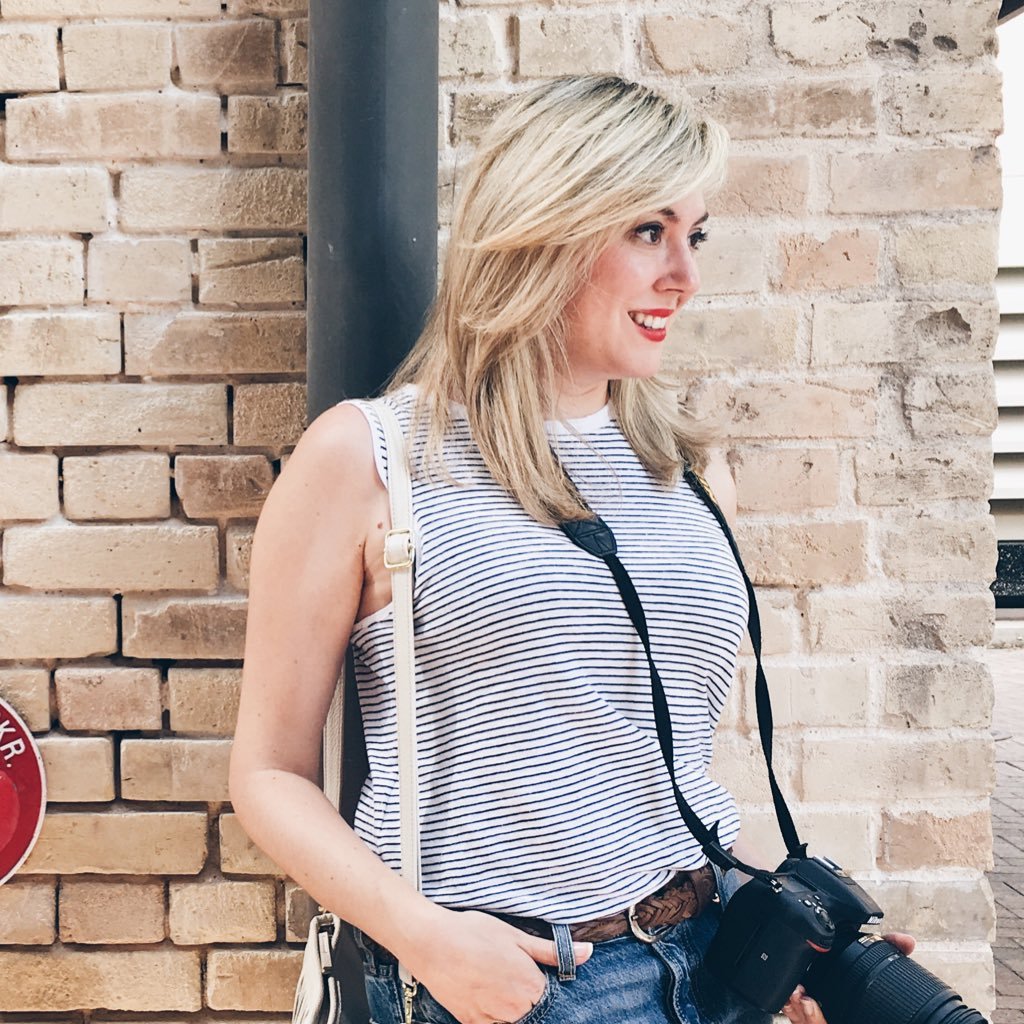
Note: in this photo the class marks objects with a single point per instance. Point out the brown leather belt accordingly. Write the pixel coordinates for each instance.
(685, 895)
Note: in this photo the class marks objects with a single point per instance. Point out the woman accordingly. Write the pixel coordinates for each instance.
(545, 802)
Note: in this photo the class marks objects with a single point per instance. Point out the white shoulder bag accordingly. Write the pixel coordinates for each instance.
(318, 993)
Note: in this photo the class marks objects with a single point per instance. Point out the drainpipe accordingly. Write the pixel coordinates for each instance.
(372, 258)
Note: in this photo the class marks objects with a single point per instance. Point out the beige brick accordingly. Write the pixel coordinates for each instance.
(927, 550)
(804, 554)
(921, 179)
(786, 479)
(123, 270)
(682, 45)
(177, 770)
(230, 56)
(60, 344)
(815, 695)
(721, 273)
(120, 414)
(179, 628)
(40, 273)
(117, 558)
(251, 271)
(843, 407)
(269, 414)
(964, 253)
(840, 33)
(53, 199)
(938, 695)
(299, 909)
(906, 766)
(28, 913)
(214, 343)
(470, 45)
(763, 184)
(222, 485)
(27, 690)
(62, 979)
(817, 35)
(781, 623)
(844, 622)
(268, 124)
(104, 697)
(844, 259)
(238, 553)
(294, 69)
(135, 485)
(472, 113)
(270, 8)
(217, 199)
(111, 913)
(954, 404)
(898, 475)
(111, 127)
(938, 908)
(569, 44)
(239, 855)
(252, 979)
(116, 56)
(738, 764)
(203, 701)
(112, 8)
(947, 101)
(37, 626)
(882, 332)
(28, 58)
(28, 484)
(222, 911)
(78, 769)
(843, 834)
(133, 843)
(908, 839)
(766, 110)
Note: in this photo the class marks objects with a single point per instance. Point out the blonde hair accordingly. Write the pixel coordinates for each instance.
(558, 174)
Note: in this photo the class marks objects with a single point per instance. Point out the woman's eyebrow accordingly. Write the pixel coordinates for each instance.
(669, 214)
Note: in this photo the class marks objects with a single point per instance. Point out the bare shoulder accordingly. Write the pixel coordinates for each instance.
(719, 476)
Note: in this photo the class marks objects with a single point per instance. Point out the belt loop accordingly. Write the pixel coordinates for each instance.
(566, 953)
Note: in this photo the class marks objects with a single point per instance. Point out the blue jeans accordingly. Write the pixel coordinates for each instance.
(624, 980)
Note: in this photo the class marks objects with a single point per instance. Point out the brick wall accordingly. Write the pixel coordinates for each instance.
(151, 349)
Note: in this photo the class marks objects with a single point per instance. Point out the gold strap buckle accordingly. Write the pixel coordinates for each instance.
(398, 549)
(634, 926)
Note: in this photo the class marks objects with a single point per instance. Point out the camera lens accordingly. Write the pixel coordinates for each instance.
(870, 980)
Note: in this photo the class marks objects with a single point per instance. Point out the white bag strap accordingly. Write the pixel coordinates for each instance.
(399, 553)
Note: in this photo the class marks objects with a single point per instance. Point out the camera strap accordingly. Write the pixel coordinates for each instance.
(595, 537)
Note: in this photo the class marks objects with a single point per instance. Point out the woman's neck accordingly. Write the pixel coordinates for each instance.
(575, 403)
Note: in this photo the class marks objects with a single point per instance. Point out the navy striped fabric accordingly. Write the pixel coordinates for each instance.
(543, 788)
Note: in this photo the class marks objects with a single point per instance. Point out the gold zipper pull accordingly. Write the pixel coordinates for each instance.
(410, 989)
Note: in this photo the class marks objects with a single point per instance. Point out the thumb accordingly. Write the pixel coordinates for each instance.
(544, 951)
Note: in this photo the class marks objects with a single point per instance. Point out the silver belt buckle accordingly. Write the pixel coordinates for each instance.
(634, 925)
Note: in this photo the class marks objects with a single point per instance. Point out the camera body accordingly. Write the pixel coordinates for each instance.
(776, 926)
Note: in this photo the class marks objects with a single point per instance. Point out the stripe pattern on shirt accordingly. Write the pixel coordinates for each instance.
(543, 791)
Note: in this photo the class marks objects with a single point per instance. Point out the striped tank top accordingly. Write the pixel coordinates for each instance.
(543, 790)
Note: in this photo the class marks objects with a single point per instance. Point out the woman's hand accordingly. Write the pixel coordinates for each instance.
(801, 1007)
(483, 970)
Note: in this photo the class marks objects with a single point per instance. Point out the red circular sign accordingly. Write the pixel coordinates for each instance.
(22, 792)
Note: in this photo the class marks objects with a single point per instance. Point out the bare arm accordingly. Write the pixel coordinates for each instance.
(306, 581)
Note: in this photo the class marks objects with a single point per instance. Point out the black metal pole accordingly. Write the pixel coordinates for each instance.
(372, 256)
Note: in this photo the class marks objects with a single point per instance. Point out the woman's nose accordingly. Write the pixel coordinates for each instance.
(682, 273)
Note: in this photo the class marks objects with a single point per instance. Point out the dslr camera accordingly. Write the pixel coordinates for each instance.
(801, 924)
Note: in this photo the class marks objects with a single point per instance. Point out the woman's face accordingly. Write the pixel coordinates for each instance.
(618, 321)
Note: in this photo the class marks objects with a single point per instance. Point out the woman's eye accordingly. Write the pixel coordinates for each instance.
(697, 239)
(650, 233)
